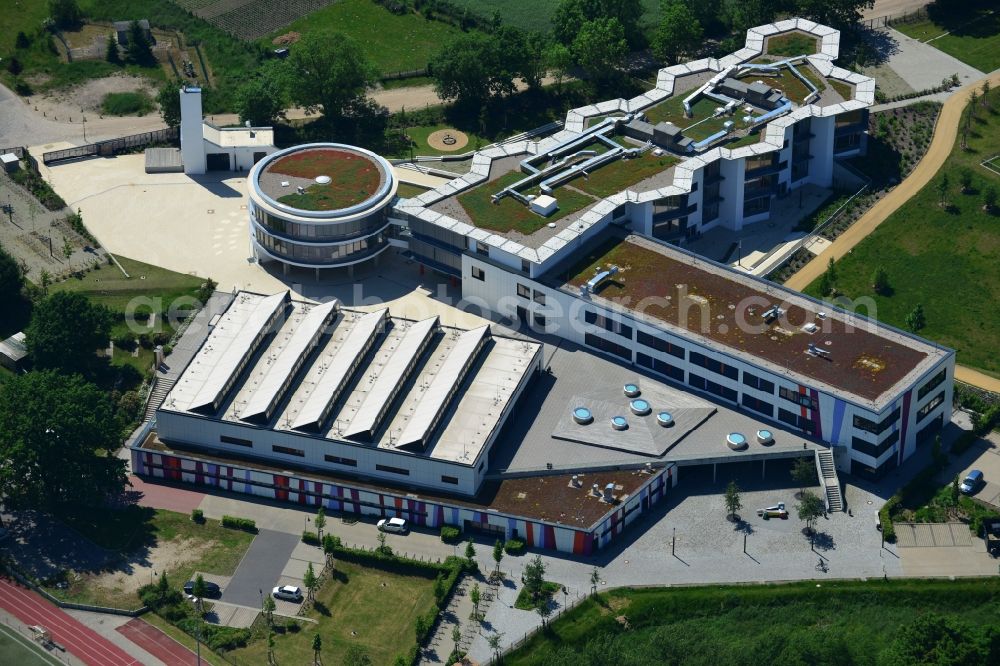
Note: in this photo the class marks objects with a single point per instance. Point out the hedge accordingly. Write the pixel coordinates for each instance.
(197, 516)
(450, 534)
(235, 523)
(310, 538)
(514, 547)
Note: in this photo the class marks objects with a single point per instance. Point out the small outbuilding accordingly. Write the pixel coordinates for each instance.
(122, 28)
(10, 162)
(13, 352)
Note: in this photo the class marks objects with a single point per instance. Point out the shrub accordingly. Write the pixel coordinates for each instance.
(450, 534)
(235, 523)
(514, 547)
(197, 516)
(127, 104)
(310, 538)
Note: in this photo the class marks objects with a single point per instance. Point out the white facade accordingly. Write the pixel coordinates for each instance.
(205, 147)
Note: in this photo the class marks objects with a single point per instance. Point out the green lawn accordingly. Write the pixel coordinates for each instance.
(838, 623)
(381, 608)
(973, 33)
(393, 42)
(944, 258)
(621, 174)
(17, 649)
(511, 215)
(407, 191)
(792, 44)
(418, 135)
(106, 285)
(135, 528)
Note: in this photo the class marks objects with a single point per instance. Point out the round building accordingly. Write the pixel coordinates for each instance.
(320, 205)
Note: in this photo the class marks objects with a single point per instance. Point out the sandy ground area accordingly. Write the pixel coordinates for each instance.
(168, 556)
(87, 97)
(892, 8)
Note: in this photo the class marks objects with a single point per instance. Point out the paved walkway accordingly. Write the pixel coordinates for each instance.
(922, 66)
(261, 567)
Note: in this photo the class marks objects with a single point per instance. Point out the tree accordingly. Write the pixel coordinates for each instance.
(534, 577)
(732, 500)
(439, 589)
(523, 54)
(11, 278)
(268, 608)
(456, 635)
(741, 15)
(310, 581)
(317, 646)
(558, 60)
(803, 473)
(263, 98)
(473, 68)
(935, 639)
(475, 596)
(544, 610)
(320, 523)
(470, 552)
(356, 656)
(600, 47)
(65, 13)
(67, 249)
(14, 66)
(498, 553)
(330, 71)
(494, 641)
(942, 189)
(420, 628)
(965, 179)
(916, 319)
(169, 101)
(954, 490)
(810, 509)
(65, 331)
(824, 285)
(880, 280)
(199, 590)
(678, 32)
(831, 271)
(842, 14)
(139, 50)
(22, 41)
(985, 96)
(989, 198)
(595, 580)
(162, 586)
(58, 435)
(111, 53)
(571, 15)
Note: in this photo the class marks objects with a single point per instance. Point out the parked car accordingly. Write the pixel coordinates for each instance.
(972, 482)
(776, 511)
(211, 589)
(288, 593)
(397, 525)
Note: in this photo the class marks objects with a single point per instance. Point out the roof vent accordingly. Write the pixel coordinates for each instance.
(323, 180)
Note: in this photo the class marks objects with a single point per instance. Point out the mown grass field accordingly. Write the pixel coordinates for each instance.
(379, 607)
(394, 43)
(535, 14)
(971, 34)
(831, 623)
(943, 257)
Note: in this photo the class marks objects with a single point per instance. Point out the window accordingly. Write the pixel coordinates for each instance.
(932, 384)
(756, 206)
(608, 324)
(709, 386)
(930, 406)
(803, 423)
(393, 470)
(226, 439)
(874, 450)
(801, 399)
(540, 320)
(482, 249)
(478, 273)
(523, 291)
(753, 381)
(337, 460)
(299, 453)
(449, 479)
(538, 297)
(598, 342)
(659, 344)
(713, 365)
(525, 266)
(861, 423)
(758, 405)
(660, 367)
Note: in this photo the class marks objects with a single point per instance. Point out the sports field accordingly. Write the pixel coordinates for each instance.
(16, 649)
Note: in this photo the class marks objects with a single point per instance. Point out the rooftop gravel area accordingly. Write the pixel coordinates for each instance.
(712, 302)
(354, 178)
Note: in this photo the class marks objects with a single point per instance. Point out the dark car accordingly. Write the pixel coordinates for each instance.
(211, 589)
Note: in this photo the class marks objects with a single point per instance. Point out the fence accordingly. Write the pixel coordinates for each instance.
(25, 636)
(408, 74)
(577, 600)
(24, 580)
(113, 146)
(911, 16)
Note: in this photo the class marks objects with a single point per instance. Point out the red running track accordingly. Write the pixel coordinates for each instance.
(82, 641)
(156, 643)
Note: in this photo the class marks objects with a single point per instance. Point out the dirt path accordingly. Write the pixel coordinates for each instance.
(945, 133)
(892, 8)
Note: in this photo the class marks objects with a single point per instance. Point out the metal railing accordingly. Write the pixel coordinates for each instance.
(112, 147)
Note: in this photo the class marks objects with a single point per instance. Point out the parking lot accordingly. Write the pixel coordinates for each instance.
(987, 461)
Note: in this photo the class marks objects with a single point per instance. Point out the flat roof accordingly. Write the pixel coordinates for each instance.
(585, 202)
(726, 309)
(354, 177)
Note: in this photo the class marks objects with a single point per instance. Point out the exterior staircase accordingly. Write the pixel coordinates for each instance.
(161, 387)
(831, 483)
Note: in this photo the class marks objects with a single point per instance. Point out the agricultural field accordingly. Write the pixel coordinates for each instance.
(394, 43)
(940, 250)
(251, 19)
